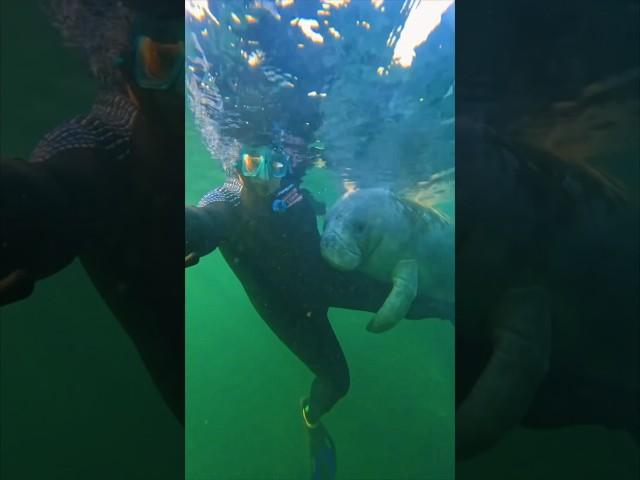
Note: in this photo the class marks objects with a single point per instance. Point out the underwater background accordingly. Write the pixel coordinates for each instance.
(564, 77)
(391, 127)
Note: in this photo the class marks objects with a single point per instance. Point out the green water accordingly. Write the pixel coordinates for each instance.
(397, 421)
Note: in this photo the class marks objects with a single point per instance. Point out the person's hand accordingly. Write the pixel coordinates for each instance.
(15, 286)
(191, 259)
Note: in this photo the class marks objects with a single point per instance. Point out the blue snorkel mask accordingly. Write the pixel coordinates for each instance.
(264, 162)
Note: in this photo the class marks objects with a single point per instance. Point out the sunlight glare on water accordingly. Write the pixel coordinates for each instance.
(423, 18)
(371, 81)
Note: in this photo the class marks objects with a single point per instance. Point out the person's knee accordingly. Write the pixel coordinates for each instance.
(341, 384)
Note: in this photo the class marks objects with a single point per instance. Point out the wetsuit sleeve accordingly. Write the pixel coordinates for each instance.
(205, 227)
(38, 232)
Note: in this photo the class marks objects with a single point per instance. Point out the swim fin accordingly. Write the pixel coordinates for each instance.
(323, 454)
(322, 451)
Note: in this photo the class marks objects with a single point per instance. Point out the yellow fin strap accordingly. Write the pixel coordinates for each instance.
(305, 410)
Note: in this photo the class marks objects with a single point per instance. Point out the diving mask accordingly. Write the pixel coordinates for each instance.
(157, 66)
(264, 162)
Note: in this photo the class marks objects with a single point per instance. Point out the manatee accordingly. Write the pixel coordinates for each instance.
(547, 311)
(393, 240)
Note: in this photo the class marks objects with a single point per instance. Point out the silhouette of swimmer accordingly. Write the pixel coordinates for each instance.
(103, 187)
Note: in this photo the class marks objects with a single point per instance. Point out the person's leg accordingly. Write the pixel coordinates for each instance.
(308, 334)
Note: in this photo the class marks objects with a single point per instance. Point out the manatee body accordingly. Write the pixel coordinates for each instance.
(395, 241)
(547, 315)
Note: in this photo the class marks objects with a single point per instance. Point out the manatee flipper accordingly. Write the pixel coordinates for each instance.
(398, 303)
(519, 362)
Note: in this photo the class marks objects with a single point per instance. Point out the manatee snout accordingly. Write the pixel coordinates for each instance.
(339, 252)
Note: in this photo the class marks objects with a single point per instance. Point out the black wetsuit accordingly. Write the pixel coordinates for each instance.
(276, 256)
(94, 190)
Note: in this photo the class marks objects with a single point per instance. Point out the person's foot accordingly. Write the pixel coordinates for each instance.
(322, 450)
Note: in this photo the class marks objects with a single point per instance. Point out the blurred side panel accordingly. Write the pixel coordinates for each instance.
(92, 361)
(547, 149)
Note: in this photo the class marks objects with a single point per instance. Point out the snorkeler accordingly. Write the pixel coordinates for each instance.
(265, 226)
(106, 187)
(266, 231)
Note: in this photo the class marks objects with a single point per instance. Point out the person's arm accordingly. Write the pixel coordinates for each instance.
(39, 231)
(205, 228)
(320, 208)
